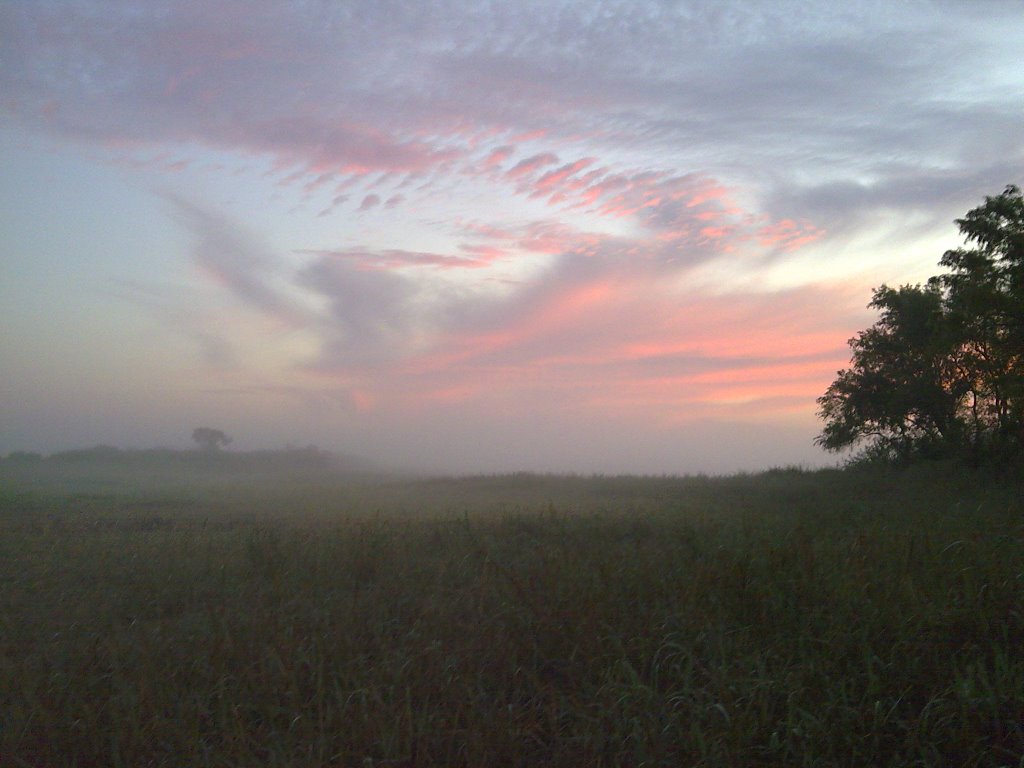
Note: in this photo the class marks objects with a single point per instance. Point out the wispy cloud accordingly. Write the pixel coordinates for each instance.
(530, 165)
(369, 202)
(243, 268)
(390, 259)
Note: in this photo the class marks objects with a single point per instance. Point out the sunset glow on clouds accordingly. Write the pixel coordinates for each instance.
(585, 236)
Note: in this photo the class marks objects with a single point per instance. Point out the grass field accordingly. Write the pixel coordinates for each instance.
(790, 618)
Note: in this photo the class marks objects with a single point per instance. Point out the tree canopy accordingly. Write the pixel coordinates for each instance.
(942, 371)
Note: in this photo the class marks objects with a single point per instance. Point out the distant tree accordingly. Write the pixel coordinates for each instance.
(942, 371)
(210, 439)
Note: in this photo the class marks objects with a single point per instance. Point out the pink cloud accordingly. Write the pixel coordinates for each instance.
(597, 336)
(549, 237)
(481, 229)
(677, 220)
(554, 178)
(363, 401)
(612, 341)
(498, 156)
(715, 233)
(488, 252)
(531, 164)
(788, 235)
(534, 135)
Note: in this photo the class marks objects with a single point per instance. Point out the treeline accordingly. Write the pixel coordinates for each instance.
(941, 374)
(310, 457)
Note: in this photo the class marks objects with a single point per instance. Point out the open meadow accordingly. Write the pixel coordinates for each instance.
(832, 618)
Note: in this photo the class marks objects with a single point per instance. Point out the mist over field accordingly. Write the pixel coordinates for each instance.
(469, 447)
(162, 608)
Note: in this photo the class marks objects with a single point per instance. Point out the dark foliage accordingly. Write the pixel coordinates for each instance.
(941, 374)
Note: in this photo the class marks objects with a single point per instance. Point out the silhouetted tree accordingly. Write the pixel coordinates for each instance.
(210, 439)
(985, 302)
(942, 371)
(903, 389)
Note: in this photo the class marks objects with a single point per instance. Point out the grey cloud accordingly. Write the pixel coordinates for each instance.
(758, 92)
(369, 202)
(372, 314)
(393, 258)
(250, 75)
(932, 197)
(241, 265)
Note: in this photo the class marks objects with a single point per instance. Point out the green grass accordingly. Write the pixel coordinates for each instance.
(790, 618)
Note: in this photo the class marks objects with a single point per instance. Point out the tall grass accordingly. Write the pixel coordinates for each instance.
(790, 618)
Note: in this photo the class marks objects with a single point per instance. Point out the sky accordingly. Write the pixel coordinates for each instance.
(477, 236)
